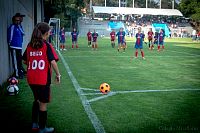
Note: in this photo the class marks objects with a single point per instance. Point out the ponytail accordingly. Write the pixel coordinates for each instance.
(38, 32)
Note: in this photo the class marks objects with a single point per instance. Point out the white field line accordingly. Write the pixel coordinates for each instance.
(89, 89)
(101, 97)
(134, 91)
(91, 114)
(157, 56)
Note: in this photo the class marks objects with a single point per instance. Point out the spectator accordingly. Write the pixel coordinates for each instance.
(194, 35)
(15, 35)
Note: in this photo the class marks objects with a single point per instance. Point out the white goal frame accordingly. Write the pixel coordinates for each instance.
(56, 21)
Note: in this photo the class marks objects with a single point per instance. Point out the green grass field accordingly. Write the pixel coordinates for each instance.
(158, 94)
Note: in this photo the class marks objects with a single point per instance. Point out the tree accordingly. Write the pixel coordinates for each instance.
(191, 9)
(68, 10)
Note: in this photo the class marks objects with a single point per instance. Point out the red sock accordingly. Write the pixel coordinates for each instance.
(77, 46)
(72, 46)
(136, 53)
(63, 46)
(142, 53)
(158, 47)
(92, 46)
(163, 46)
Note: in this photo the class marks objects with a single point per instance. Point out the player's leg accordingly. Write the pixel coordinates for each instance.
(119, 46)
(73, 44)
(149, 43)
(136, 52)
(64, 47)
(35, 107)
(96, 45)
(142, 53)
(76, 42)
(159, 46)
(93, 45)
(44, 98)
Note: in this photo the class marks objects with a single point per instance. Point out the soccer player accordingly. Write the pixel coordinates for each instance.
(161, 37)
(112, 37)
(62, 39)
(89, 37)
(150, 37)
(139, 43)
(94, 40)
(40, 58)
(121, 39)
(155, 40)
(74, 35)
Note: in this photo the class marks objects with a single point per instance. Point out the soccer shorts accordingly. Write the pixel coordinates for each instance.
(41, 92)
(62, 41)
(74, 42)
(161, 43)
(138, 46)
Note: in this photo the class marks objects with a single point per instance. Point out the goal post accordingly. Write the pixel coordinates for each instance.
(55, 23)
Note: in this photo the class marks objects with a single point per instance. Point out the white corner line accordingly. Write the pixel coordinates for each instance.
(102, 97)
(91, 114)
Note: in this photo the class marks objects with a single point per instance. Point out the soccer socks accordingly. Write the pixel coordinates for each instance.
(163, 46)
(72, 46)
(77, 46)
(158, 47)
(142, 53)
(136, 54)
(42, 119)
(35, 112)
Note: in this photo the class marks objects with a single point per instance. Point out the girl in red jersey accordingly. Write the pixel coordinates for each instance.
(150, 37)
(40, 57)
(112, 38)
(89, 37)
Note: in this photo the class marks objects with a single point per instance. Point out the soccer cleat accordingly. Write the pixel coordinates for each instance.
(46, 130)
(35, 126)
(64, 49)
(143, 58)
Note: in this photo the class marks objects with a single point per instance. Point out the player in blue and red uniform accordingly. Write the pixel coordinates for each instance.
(121, 39)
(94, 40)
(150, 37)
(112, 38)
(89, 38)
(74, 35)
(139, 43)
(161, 37)
(62, 39)
(155, 40)
(40, 58)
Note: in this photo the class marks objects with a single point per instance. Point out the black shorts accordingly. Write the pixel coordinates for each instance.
(41, 92)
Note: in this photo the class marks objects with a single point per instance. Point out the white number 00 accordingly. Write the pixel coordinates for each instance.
(37, 64)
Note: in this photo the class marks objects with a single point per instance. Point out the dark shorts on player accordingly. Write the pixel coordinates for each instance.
(41, 92)
(138, 46)
(121, 42)
(74, 41)
(161, 43)
(62, 41)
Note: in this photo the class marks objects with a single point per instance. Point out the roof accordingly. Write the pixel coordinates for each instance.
(128, 10)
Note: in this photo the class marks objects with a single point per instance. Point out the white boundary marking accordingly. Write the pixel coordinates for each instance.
(133, 91)
(159, 56)
(92, 116)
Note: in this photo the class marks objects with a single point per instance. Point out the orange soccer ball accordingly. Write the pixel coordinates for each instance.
(104, 88)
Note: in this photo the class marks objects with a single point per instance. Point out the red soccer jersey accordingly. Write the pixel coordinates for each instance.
(112, 36)
(150, 35)
(89, 35)
(38, 64)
